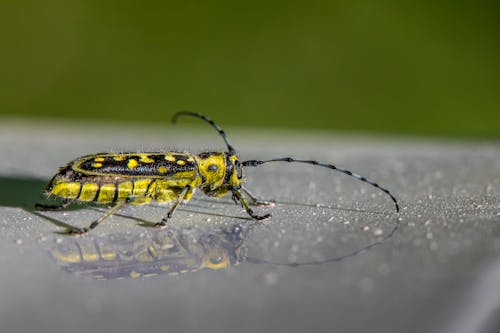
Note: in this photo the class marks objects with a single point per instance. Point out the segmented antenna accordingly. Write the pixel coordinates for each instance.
(230, 148)
(330, 166)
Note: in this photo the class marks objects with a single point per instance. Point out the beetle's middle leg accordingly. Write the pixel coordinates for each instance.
(185, 191)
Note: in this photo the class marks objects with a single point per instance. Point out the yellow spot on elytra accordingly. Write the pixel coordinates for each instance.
(162, 169)
(99, 159)
(170, 158)
(96, 165)
(120, 158)
(146, 159)
(181, 162)
(132, 163)
(190, 159)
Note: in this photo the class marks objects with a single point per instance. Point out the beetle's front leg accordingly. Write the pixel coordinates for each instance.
(258, 202)
(241, 198)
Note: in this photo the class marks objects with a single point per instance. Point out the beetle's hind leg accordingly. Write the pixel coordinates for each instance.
(257, 202)
(78, 231)
(63, 205)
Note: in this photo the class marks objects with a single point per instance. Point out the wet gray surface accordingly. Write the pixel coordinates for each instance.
(438, 272)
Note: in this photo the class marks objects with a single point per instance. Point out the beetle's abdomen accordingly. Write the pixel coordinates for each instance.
(103, 191)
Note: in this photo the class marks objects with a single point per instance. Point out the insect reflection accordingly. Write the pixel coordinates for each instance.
(174, 250)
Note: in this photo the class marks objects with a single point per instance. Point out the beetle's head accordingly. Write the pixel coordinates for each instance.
(220, 172)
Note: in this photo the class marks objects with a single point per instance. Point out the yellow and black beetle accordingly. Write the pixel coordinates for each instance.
(117, 179)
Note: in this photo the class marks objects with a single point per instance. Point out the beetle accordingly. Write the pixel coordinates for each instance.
(117, 179)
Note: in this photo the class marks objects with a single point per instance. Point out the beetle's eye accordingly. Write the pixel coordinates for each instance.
(212, 167)
(239, 170)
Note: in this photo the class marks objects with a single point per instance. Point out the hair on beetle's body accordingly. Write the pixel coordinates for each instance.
(117, 179)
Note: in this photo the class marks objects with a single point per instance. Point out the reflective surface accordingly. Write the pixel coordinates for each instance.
(430, 276)
(181, 250)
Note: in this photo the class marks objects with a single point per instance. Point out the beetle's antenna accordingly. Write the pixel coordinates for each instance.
(330, 166)
(230, 148)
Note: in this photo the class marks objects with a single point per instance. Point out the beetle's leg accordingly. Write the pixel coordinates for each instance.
(111, 211)
(258, 202)
(241, 198)
(180, 198)
(64, 204)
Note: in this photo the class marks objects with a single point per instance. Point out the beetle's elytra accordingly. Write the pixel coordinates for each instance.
(117, 179)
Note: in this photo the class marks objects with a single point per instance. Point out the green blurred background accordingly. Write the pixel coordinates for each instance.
(416, 67)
